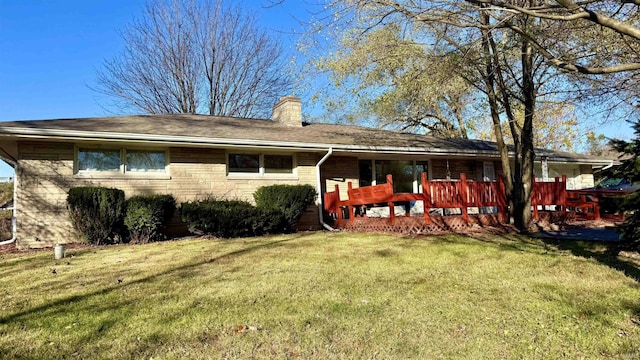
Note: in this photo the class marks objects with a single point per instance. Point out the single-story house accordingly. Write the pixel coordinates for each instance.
(196, 156)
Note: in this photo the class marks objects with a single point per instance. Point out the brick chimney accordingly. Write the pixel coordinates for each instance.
(288, 111)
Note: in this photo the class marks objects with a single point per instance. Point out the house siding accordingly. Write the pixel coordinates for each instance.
(340, 170)
(46, 173)
(472, 168)
(578, 176)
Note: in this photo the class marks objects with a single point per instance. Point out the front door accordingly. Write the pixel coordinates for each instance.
(488, 171)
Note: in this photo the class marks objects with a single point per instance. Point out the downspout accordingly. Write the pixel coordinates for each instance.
(607, 167)
(15, 203)
(319, 189)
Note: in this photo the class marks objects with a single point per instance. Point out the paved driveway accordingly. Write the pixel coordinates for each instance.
(580, 233)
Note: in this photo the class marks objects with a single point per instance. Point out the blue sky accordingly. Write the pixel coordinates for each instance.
(50, 50)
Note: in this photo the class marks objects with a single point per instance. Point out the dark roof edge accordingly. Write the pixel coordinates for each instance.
(77, 135)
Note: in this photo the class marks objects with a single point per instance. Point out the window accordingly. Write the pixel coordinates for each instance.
(262, 164)
(402, 172)
(406, 173)
(121, 161)
(278, 164)
(244, 163)
(98, 160)
(145, 161)
(366, 174)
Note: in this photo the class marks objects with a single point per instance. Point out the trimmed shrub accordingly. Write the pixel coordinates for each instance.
(269, 221)
(146, 216)
(291, 200)
(231, 218)
(97, 213)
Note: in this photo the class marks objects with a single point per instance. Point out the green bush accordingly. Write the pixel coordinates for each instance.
(629, 169)
(610, 204)
(146, 216)
(230, 218)
(630, 229)
(291, 200)
(278, 209)
(268, 221)
(97, 213)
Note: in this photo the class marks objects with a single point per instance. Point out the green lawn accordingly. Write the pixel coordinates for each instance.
(322, 295)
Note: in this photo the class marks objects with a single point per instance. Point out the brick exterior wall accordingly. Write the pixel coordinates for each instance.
(46, 173)
(340, 170)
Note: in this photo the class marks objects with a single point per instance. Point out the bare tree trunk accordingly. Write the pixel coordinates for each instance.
(526, 155)
(494, 107)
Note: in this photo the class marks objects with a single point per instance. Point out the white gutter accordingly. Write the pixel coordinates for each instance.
(15, 204)
(177, 140)
(319, 188)
(606, 167)
(78, 135)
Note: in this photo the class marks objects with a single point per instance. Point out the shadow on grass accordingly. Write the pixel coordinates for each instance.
(604, 252)
(504, 241)
(593, 250)
(176, 270)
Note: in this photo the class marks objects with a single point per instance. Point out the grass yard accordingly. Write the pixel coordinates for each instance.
(322, 295)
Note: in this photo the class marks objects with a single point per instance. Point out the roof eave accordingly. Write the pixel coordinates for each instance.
(173, 140)
(75, 135)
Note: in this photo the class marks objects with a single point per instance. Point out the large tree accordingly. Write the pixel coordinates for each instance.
(500, 53)
(187, 56)
(600, 53)
(399, 83)
(556, 127)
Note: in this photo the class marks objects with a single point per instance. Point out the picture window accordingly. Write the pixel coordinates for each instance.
(121, 161)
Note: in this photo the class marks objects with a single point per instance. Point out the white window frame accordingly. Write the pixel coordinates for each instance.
(122, 172)
(262, 174)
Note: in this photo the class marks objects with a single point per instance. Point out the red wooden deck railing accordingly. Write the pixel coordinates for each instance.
(437, 194)
(549, 194)
(584, 204)
(463, 194)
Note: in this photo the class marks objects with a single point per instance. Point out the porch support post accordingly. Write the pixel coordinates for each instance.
(534, 198)
(596, 207)
(392, 210)
(502, 199)
(352, 210)
(557, 191)
(545, 168)
(563, 196)
(426, 194)
(338, 207)
(463, 197)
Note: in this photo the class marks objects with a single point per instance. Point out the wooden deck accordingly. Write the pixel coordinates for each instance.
(453, 205)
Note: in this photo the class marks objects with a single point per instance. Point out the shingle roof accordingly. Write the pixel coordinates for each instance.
(212, 129)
